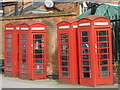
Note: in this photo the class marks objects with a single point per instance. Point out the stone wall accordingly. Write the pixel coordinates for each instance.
(51, 37)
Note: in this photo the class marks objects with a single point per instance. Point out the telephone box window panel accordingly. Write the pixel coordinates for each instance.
(95, 51)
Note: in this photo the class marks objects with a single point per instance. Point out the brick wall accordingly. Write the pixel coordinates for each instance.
(51, 38)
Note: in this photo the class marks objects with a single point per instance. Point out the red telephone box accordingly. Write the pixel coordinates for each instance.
(67, 51)
(95, 51)
(32, 51)
(11, 50)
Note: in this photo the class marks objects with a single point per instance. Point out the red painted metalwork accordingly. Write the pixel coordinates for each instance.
(67, 51)
(32, 51)
(11, 49)
(95, 51)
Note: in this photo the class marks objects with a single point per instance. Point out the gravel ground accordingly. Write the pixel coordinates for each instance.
(8, 82)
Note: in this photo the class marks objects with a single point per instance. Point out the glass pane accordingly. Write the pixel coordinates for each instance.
(24, 35)
(8, 69)
(38, 41)
(23, 60)
(9, 54)
(86, 74)
(38, 36)
(38, 61)
(85, 62)
(85, 57)
(38, 51)
(24, 46)
(38, 71)
(64, 63)
(8, 50)
(23, 41)
(105, 74)
(86, 69)
(104, 62)
(38, 46)
(64, 52)
(23, 65)
(103, 50)
(102, 33)
(64, 35)
(64, 68)
(64, 40)
(38, 66)
(38, 56)
(65, 74)
(9, 35)
(23, 50)
(64, 47)
(23, 55)
(9, 45)
(103, 44)
(102, 38)
(23, 71)
(103, 56)
(64, 57)
(85, 45)
(8, 40)
(8, 59)
(84, 51)
(84, 39)
(9, 64)
(105, 68)
(84, 33)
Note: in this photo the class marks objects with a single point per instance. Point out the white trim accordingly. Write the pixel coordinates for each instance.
(84, 24)
(100, 23)
(9, 28)
(38, 28)
(24, 28)
(75, 26)
(64, 27)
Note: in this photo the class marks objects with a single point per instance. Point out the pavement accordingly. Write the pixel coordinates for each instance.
(8, 82)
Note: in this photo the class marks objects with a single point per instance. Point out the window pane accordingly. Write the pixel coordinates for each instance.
(24, 46)
(24, 56)
(103, 56)
(64, 52)
(38, 41)
(84, 51)
(38, 56)
(9, 40)
(24, 35)
(64, 63)
(38, 71)
(38, 66)
(64, 40)
(64, 35)
(105, 68)
(23, 71)
(23, 50)
(9, 45)
(64, 47)
(65, 74)
(86, 69)
(84, 39)
(9, 35)
(9, 64)
(23, 65)
(9, 53)
(8, 59)
(85, 57)
(85, 45)
(64, 68)
(38, 46)
(38, 36)
(38, 61)
(104, 62)
(103, 44)
(38, 51)
(102, 33)
(8, 69)
(86, 74)
(85, 62)
(23, 41)
(84, 33)
(102, 38)
(23, 60)
(103, 50)
(105, 74)
(64, 57)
